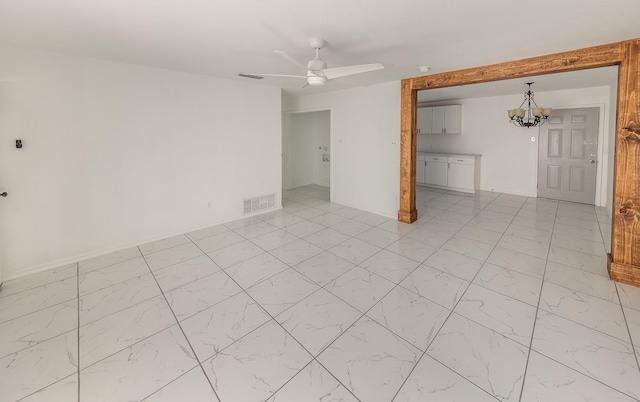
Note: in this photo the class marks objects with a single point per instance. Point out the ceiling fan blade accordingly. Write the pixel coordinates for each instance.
(350, 70)
(291, 59)
(279, 75)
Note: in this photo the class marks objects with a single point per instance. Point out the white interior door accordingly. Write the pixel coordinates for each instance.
(567, 158)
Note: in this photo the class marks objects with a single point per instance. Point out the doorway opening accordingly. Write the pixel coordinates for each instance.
(306, 154)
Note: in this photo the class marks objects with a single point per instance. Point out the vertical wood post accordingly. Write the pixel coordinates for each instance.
(408, 139)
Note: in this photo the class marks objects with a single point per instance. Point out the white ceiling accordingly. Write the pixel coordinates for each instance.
(222, 37)
(551, 82)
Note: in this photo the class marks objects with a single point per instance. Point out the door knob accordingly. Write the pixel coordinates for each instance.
(4, 194)
(592, 161)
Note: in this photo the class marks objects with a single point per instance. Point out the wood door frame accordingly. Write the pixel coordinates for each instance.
(624, 259)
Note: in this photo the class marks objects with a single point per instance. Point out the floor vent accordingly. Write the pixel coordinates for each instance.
(257, 203)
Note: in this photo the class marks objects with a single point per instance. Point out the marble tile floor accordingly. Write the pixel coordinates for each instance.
(487, 297)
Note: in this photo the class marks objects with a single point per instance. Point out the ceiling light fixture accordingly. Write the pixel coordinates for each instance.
(529, 117)
(424, 69)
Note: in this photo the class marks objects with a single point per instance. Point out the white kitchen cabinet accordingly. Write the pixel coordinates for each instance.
(421, 168)
(436, 173)
(424, 120)
(449, 171)
(444, 120)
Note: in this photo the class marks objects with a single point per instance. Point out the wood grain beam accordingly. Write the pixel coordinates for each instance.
(624, 260)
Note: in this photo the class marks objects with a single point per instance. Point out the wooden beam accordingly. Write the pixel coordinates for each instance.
(624, 260)
(408, 140)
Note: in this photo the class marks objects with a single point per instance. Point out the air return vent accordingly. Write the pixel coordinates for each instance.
(257, 203)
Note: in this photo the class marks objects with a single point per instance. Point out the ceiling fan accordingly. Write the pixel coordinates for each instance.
(317, 72)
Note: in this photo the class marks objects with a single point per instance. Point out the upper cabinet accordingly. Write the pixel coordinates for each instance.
(425, 116)
(440, 120)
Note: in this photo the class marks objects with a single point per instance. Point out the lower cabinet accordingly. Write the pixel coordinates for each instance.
(454, 172)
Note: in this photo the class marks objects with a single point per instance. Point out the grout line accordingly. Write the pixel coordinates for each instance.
(181, 330)
(535, 319)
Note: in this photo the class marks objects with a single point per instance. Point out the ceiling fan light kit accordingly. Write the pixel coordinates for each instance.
(529, 117)
(317, 72)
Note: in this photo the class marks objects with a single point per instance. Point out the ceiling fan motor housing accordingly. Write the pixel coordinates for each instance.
(316, 65)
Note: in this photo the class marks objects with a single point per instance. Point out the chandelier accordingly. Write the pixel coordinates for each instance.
(529, 117)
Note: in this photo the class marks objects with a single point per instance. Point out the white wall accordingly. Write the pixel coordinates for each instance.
(365, 144)
(309, 138)
(509, 158)
(117, 154)
(611, 149)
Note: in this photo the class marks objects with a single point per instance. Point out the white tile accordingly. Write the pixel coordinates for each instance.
(478, 234)
(34, 368)
(303, 228)
(197, 296)
(39, 279)
(349, 212)
(599, 356)
(108, 259)
(496, 216)
(317, 320)
(629, 295)
(285, 220)
(371, 219)
(218, 242)
(323, 268)
(274, 239)
(351, 227)
(431, 381)
(523, 232)
(587, 310)
(138, 371)
(255, 269)
(185, 272)
(414, 318)
(580, 233)
(525, 246)
(217, 327)
(489, 224)
(378, 237)
(533, 223)
(61, 391)
(360, 288)
(314, 383)
(244, 222)
(329, 219)
(412, 248)
(308, 213)
(484, 357)
(505, 315)
(112, 275)
(194, 383)
(430, 237)
(576, 259)
(115, 332)
(575, 243)
(354, 250)
(256, 366)
(163, 244)
(390, 265)
(282, 291)
(581, 281)
(38, 298)
(397, 227)
(296, 252)
(524, 263)
(442, 225)
(207, 232)
(370, 360)
(455, 264)
(326, 238)
(235, 253)
(510, 283)
(577, 222)
(31, 329)
(436, 286)
(455, 217)
(255, 230)
(173, 255)
(548, 380)
(110, 300)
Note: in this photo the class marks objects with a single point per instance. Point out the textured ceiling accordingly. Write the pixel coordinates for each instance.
(222, 38)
